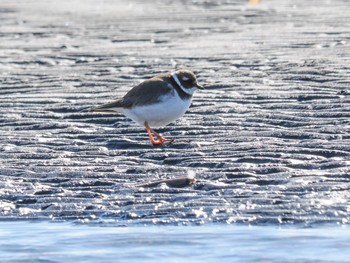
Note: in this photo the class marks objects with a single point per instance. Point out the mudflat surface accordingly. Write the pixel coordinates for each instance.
(268, 140)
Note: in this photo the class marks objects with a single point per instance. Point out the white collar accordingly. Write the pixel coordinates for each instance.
(174, 76)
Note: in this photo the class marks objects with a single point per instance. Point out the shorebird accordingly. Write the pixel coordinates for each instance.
(156, 102)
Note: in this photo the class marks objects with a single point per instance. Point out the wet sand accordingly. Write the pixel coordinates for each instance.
(268, 140)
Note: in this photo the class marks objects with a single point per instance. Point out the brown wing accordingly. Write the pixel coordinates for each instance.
(147, 92)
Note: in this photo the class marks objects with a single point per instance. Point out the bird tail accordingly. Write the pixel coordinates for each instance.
(111, 107)
(102, 110)
(96, 110)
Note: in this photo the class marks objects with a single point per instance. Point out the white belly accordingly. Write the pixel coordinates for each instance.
(169, 109)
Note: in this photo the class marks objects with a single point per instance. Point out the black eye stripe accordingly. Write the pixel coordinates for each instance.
(188, 80)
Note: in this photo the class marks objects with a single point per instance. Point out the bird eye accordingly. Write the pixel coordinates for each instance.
(188, 80)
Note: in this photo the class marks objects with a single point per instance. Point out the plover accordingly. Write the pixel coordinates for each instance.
(156, 102)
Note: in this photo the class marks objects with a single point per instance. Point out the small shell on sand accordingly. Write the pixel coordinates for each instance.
(173, 182)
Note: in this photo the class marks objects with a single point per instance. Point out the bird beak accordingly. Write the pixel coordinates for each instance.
(199, 87)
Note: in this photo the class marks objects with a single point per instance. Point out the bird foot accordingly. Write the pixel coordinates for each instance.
(160, 139)
(161, 142)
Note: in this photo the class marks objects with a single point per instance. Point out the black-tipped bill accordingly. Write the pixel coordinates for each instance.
(199, 86)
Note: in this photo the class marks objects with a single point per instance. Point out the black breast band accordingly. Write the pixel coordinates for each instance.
(183, 95)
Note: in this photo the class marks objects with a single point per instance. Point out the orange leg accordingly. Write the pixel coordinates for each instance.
(160, 139)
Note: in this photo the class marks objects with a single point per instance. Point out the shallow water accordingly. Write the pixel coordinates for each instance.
(67, 242)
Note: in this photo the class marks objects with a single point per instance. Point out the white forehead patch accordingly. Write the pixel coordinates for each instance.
(184, 78)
